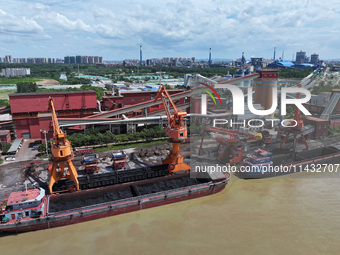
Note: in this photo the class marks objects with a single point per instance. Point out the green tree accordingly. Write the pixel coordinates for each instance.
(108, 137)
(26, 87)
(5, 147)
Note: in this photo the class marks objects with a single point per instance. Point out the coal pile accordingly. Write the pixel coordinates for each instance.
(165, 185)
(305, 155)
(64, 203)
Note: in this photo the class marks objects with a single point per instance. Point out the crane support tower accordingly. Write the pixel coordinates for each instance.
(176, 130)
(62, 155)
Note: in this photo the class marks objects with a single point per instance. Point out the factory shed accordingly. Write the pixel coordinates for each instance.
(281, 64)
(32, 118)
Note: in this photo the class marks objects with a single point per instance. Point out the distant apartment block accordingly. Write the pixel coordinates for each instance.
(16, 72)
(9, 59)
(83, 60)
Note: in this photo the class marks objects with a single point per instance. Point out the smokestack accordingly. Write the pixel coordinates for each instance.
(283, 52)
(274, 52)
(209, 56)
(140, 55)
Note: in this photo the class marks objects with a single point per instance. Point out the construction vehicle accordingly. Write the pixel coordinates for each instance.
(176, 130)
(294, 130)
(232, 151)
(62, 155)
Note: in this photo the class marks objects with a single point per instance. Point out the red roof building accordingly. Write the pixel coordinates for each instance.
(127, 98)
(31, 116)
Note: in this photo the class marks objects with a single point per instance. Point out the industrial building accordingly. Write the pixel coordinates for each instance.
(300, 57)
(314, 59)
(8, 72)
(32, 118)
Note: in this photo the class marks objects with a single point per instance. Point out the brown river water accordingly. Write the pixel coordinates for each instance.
(295, 214)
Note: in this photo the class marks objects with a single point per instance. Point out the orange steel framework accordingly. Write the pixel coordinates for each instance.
(62, 154)
(176, 130)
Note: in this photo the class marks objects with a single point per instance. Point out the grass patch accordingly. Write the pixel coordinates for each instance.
(4, 93)
(126, 146)
(16, 80)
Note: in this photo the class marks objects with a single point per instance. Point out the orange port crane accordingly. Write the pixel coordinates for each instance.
(297, 130)
(176, 130)
(62, 154)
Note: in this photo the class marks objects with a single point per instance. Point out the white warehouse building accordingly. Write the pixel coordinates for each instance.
(16, 72)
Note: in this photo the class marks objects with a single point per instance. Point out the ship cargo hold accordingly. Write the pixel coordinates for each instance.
(55, 210)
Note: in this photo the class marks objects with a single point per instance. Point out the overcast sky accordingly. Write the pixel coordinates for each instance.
(183, 28)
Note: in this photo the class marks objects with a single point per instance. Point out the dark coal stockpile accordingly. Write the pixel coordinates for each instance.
(98, 196)
(165, 185)
(305, 155)
(78, 200)
(116, 177)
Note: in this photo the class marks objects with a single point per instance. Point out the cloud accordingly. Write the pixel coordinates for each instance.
(180, 27)
(10, 24)
(60, 21)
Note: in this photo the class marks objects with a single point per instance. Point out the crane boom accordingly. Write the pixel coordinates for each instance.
(58, 133)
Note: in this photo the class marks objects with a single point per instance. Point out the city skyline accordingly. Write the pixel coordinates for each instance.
(115, 30)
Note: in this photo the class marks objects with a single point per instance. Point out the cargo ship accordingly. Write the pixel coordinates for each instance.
(262, 164)
(32, 209)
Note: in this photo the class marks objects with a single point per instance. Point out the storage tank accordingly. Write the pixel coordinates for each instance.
(264, 87)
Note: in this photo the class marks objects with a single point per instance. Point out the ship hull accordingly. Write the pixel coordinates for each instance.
(108, 209)
(308, 164)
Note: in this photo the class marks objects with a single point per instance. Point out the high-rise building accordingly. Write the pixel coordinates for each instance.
(72, 60)
(91, 60)
(67, 60)
(78, 59)
(85, 59)
(314, 58)
(8, 59)
(300, 57)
